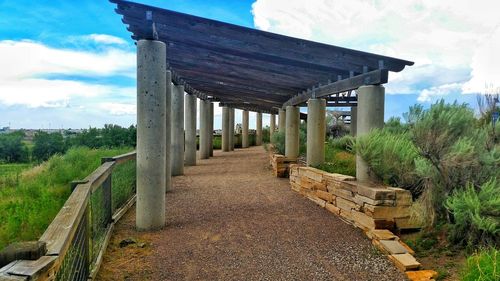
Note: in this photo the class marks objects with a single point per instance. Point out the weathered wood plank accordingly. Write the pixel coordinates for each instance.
(60, 232)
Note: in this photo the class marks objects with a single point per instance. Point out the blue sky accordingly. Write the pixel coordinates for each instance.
(71, 64)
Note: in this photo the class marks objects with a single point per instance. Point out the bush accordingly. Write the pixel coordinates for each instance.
(12, 149)
(278, 141)
(391, 157)
(338, 161)
(476, 214)
(345, 143)
(484, 266)
(47, 144)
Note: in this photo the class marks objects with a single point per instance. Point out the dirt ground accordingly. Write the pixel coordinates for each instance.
(228, 218)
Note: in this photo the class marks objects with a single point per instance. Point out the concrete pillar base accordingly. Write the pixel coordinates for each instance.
(190, 126)
(282, 121)
(258, 130)
(177, 147)
(244, 132)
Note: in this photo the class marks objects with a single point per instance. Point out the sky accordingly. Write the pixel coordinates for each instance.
(71, 64)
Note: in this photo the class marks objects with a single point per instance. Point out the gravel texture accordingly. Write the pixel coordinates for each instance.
(228, 218)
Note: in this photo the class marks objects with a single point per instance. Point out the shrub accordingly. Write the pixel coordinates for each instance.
(391, 157)
(476, 214)
(345, 143)
(278, 141)
(338, 161)
(484, 266)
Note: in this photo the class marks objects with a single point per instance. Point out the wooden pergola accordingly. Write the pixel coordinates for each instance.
(252, 69)
(241, 68)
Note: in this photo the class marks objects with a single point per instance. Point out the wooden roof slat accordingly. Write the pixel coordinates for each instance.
(228, 61)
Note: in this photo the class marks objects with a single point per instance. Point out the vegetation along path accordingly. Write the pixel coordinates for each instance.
(229, 219)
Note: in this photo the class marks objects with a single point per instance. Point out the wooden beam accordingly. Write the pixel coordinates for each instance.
(375, 77)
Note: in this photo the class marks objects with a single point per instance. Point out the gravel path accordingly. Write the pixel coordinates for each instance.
(229, 219)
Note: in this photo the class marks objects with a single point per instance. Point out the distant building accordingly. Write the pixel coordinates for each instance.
(5, 130)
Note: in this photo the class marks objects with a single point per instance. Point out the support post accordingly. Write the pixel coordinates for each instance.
(151, 135)
(258, 129)
(272, 125)
(204, 127)
(190, 124)
(177, 147)
(370, 116)
(316, 131)
(225, 129)
(354, 120)
(244, 131)
(211, 131)
(168, 131)
(231, 128)
(292, 132)
(281, 120)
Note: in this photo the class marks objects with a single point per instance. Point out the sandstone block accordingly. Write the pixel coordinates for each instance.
(404, 261)
(361, 200)
(328, 197)
(376, 193)
(381, 234)
(421, 275)
(346, 204)
(386, 212)
(332, 208)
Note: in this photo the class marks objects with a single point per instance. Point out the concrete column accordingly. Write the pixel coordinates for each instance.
(354, 120)
(151, 135)
(225, 129)
(190, 127)
(370, 115)
(244, 129)
(204, 128)
(272, 126)
(316, 131)
(281, 120)
(177, 146)
(292, 131)
(168, 132)
(211, 131)
(258, 129)
(231, 129)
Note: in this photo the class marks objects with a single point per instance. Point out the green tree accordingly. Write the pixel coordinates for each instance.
(46, 145)
(12, 149)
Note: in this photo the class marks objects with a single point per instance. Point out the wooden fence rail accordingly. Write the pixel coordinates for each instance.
(78, 236)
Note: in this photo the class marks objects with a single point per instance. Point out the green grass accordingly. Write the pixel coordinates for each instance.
(28, 206)
(482, 266)
(13, 169)
(338, 161)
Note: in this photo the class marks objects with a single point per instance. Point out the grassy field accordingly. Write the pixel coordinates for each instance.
(12, 169)
(28, 205)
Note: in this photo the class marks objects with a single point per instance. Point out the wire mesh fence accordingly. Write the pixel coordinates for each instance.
(79, 234)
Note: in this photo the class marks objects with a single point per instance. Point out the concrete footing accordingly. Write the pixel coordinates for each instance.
(316, 131)
(177, 146)
(151, 135)
(292, 132)
(190, 128)
(370, 115)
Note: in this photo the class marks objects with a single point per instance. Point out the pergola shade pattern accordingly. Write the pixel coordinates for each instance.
(252, 69)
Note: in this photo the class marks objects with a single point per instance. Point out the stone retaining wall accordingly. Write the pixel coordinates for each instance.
(376, 209)
(281, 164)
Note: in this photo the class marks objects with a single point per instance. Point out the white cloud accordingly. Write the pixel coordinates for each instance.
(442, 90)
(119, 108)
(27, 59)
(440, 36)
(105, 39)
(27, 65)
